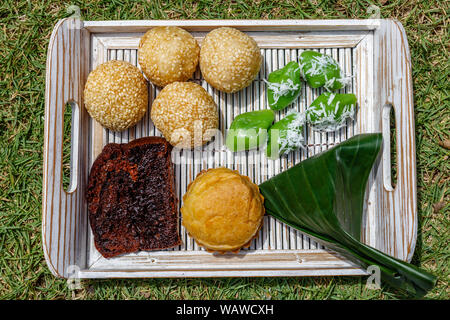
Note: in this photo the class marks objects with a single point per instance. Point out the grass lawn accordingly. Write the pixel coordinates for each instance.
(24, 32)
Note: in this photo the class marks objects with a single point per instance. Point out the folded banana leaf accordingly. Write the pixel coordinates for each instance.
(323, 196)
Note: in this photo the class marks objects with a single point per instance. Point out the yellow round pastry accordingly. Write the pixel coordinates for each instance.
(222, 210)
(186, 114)
(229, 59)
(116, 95)
(168, 54)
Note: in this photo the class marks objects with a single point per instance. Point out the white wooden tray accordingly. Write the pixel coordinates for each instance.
(374, 52)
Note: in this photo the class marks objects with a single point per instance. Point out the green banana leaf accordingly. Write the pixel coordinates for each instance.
(323, 196)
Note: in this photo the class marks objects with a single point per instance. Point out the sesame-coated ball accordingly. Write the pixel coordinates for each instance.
(168, 54)
(185, 114)
(116, 95)
(229, 59)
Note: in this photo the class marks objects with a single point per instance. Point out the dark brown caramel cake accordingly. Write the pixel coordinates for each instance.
(131, 198)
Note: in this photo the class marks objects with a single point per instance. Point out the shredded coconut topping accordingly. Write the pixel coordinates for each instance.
(319, 64)
(331, 98)
(281, 89)
(294, 136)
(327, 120)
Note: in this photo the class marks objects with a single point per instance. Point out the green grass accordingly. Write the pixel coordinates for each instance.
(24, 32)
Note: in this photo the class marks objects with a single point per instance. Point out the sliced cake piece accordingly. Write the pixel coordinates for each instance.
(131, 198)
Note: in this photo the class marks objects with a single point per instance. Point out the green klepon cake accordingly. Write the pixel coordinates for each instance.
(284, 86)
(286, 135)
(249, 130)
(330, 111)
(321, 70)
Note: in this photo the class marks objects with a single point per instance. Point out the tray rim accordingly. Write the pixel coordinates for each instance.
(95, 26)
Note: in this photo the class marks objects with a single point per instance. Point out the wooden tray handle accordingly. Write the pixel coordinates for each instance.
(64, 84)
(393, 80)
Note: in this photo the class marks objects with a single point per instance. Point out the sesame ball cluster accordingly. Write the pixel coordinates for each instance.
(185, 114)
(229, 59)
(116, 95)
(168, 54)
